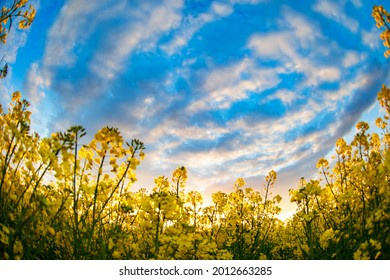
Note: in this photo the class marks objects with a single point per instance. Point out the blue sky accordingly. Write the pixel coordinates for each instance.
(228, 89)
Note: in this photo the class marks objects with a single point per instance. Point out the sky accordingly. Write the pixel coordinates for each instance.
(228, 89)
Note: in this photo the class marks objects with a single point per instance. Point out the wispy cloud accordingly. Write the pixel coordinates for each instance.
(35, 84)
(370, 38)
(126, 30)
(192, 23)
(17, 39)
(334, 10)
(227, 85)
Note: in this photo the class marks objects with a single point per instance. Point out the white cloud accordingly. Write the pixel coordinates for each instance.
(252, 2)
(191, 24)
(286, 96)
(227, 85)
(304, 30)
(370, 38)
(73, 25)
(299, 33)
(335, 11)
(357, 3)
(328, 74)
(141, 32)
(79, 19)
(16, 39)
(36, 84)
(285, 47)
(351, 59)
(331, 97)
(273, 46)
(36, 88)
(221, 9)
